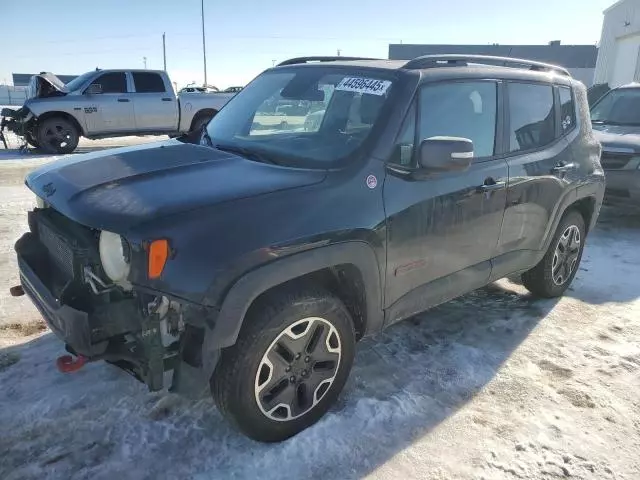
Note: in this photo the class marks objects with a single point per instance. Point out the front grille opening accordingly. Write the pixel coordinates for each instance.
(618, 192)
(615, 161)
(60, 252)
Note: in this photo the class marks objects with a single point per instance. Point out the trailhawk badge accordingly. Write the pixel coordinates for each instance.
(372, 181)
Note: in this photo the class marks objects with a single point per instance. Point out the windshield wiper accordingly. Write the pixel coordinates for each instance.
(245, 152)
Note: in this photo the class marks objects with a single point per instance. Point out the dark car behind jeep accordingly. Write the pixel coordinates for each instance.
(616, 122)
(255, 260)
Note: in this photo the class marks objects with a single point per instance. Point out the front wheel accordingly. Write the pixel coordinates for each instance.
(555, 272)
(291, 361)
(57, 135)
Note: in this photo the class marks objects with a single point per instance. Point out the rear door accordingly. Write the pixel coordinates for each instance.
(541, 169)
(112, 110)
(442, 230)
(155, 104)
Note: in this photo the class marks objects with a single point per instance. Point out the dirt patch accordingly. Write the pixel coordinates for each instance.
(22, 329)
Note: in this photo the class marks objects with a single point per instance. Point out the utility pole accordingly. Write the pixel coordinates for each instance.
(164, 52)
(273, 63)
(144, 60)
(204, 47)
(338, 52)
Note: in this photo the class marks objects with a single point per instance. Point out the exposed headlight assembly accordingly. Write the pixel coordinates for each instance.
(114, 255)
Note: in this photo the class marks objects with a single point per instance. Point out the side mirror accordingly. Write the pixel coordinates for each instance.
(445, 154)
(94, 89)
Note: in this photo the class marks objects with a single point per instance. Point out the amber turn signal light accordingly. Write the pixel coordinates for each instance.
(158, 254)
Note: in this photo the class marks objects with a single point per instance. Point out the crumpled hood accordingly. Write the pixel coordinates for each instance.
(618, 137)
(53, 83)
(119, 189)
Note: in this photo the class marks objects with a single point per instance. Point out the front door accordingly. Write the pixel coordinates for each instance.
(112, 110)
(442, 230)
(156, 107)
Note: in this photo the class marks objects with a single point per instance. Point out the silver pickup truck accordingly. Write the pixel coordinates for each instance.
(108, 103)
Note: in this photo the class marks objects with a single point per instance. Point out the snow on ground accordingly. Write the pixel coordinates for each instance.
(494, 385)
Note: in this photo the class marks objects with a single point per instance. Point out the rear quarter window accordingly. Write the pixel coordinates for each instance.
(567, 110)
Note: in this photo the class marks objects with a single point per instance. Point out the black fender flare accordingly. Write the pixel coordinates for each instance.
(595, 191)
(247, 288)
(568, 199)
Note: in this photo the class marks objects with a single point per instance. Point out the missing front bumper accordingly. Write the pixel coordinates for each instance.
(124, 333)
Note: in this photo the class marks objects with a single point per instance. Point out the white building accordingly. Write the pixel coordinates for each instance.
(619, 53)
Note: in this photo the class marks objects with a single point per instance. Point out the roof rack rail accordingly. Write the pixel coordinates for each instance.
(295, 61)
(430, 61)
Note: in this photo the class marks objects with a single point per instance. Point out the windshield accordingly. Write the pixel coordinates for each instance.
(77, 82)
(618, 107)
(308, 116)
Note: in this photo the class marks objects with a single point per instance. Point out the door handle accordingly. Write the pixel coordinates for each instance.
(123, 99)
(490, 187)
(166, 99)
(563, 168)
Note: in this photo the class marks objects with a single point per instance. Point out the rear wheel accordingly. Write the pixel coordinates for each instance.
(57, 135)
(291, 360)
(555, 272)
(200, 121)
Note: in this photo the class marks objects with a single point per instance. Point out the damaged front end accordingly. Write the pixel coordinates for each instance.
(143, 332)
(15, 120)
(21, 120)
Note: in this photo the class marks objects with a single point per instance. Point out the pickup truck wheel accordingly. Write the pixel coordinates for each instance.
(288, 366)
(200, 120)
(553, 275)
(57, 135)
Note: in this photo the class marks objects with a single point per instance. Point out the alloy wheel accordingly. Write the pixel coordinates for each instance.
(298, 369)
(566, 255)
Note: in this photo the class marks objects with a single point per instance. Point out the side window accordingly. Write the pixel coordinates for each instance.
(460, 109)
(531, 116)
(567, 110)
(147, 82)
(404, 147)
(113, 82)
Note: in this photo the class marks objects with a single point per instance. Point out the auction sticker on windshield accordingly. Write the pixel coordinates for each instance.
(371, 86)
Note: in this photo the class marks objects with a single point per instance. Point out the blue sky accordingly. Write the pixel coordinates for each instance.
(245, 37)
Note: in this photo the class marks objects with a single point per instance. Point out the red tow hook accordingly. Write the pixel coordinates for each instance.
(69, 364)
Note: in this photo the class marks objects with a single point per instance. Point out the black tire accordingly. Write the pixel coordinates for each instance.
(235, 382)
(57, 135)
(542, 280)
(200, 120)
